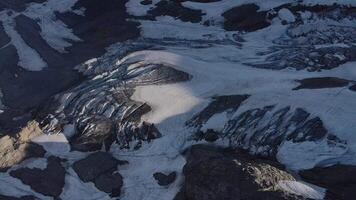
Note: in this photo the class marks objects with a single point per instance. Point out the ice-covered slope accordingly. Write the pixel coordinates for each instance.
(277, 81)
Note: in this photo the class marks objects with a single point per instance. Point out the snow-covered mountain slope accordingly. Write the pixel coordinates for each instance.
(273, 78)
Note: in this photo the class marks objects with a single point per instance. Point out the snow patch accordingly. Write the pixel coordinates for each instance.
(286, 15)
(303, 189)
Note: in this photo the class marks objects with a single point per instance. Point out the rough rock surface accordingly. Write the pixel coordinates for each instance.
(49, 181)
(212, 173)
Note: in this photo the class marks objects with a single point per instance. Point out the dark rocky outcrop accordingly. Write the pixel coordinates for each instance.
(245, 18)
(213, 173)
(321, 82)
(339, 180)
(176, 10)
(209, 135)
(49, 181)
(101, 169)
(163, 179)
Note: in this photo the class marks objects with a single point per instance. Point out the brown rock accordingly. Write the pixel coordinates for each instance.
(13, 150)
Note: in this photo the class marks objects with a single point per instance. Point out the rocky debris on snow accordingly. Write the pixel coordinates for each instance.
(262, 130)
(316, 38)
(103, 112)
(321, 82)
(213, 173)
(48, 181)
(164, 179)
(339, 180)
(13, 150)
(101, 169)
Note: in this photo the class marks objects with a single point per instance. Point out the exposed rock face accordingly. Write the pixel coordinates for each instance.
(49, 181)
(322, 82)
(339, 180)
(13, 150)
(92, 138)
(100, 168)
(163, 179)
(245, 18)
(212, 174)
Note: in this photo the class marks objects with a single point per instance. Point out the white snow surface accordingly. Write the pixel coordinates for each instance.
(287, 15)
